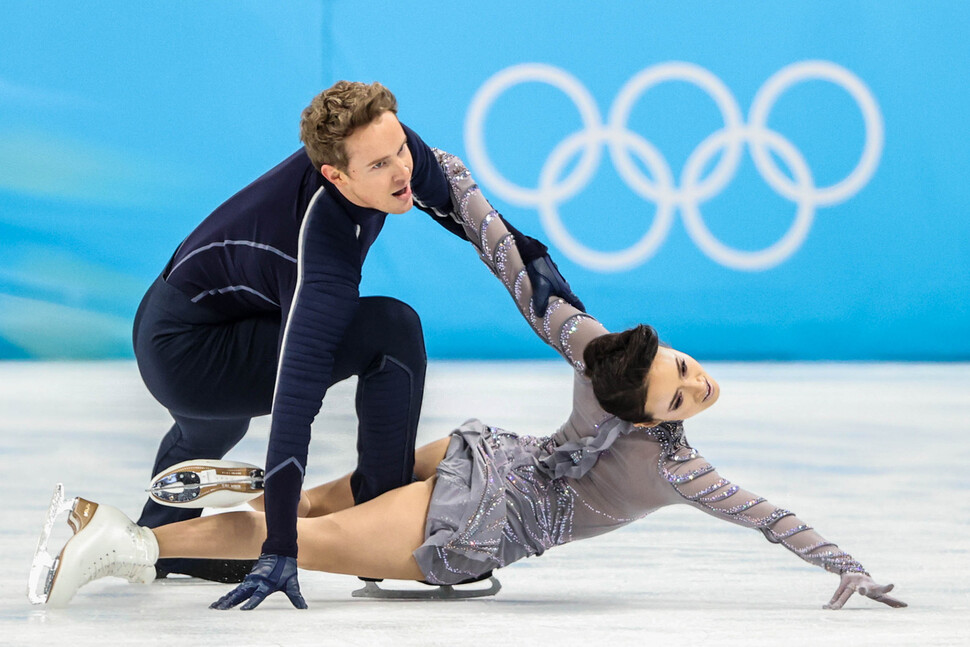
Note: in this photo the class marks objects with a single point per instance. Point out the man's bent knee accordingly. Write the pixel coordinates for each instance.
(395, 315)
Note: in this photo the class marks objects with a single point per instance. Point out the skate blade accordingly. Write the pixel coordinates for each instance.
(207, 484)
(443, 592)
(43, 569)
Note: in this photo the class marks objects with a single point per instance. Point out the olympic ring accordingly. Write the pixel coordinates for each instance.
(693, 190)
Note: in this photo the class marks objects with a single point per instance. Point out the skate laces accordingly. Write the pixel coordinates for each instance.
(131, 566)
(105, 567)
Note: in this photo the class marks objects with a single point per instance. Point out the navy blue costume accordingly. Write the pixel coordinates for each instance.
(258, 311)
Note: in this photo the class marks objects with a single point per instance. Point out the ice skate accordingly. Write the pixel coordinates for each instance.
(204, 483)
(105, 543)
(464, 590)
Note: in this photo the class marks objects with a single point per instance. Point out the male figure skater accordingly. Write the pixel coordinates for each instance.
(258, 312)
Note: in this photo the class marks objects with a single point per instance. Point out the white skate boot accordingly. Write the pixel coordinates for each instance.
(105, 543)
(205, 483)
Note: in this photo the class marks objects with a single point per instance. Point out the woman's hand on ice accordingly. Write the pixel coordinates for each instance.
(863, 585)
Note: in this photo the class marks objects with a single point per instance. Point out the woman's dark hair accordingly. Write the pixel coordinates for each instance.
(617, 365)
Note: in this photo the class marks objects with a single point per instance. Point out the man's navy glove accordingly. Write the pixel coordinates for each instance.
(547, 282)
(270, 574)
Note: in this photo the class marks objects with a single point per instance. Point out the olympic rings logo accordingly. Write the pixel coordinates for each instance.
(692, 189)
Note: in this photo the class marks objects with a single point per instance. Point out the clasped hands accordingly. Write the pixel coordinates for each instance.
(547, 282)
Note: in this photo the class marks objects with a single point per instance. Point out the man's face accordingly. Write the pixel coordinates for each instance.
(378, 174)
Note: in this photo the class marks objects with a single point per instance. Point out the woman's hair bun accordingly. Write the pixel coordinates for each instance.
(617, 364)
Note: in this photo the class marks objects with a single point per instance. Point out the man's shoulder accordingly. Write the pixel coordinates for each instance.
(287, 187)
(296, 166)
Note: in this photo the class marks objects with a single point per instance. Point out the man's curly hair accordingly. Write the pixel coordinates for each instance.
(336, 113)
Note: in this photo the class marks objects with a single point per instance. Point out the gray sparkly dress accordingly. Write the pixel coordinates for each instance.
(500, 497)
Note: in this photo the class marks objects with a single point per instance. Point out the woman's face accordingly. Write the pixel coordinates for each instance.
(677, 386)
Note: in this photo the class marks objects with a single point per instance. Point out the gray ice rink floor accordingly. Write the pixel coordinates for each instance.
(875, 456)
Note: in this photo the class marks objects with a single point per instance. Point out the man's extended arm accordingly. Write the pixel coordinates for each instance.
(324, 303)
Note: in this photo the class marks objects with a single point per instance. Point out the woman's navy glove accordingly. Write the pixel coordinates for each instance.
(270, 574)
(546, 279)
(547, 282)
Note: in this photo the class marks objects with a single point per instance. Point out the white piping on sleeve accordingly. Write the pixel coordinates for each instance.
(308, 215)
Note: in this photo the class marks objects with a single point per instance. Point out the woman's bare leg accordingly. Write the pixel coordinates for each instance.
(427, 458)
(231, 535)
(336, 495)
(374, 539)
(330, 497)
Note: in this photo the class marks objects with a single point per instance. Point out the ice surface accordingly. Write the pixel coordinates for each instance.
(875, 456)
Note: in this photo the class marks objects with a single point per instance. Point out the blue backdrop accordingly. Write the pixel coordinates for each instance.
(757, 180)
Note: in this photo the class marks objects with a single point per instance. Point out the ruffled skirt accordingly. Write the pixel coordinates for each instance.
(470, 530)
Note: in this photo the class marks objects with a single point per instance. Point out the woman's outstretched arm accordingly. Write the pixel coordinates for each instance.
(563, 326)
(696, 481)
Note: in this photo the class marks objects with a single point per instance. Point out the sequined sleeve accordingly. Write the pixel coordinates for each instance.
(699, 484)
(563, 327)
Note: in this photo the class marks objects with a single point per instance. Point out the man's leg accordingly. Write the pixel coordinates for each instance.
(213, 376)
(384, 347)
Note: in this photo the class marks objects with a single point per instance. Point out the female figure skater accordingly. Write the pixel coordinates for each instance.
(487, 497)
